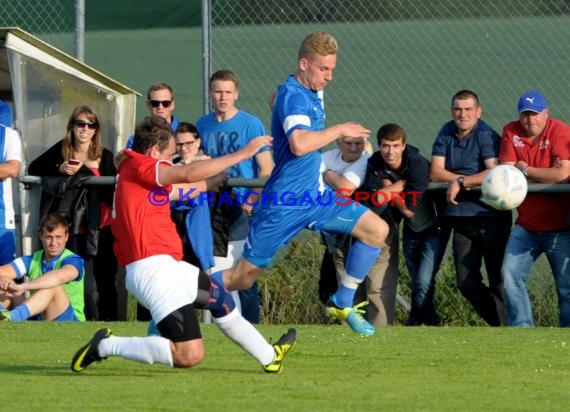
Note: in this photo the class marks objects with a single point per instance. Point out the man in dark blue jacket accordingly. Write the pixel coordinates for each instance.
(398, 177)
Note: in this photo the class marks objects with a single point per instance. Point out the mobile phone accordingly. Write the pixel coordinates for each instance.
(73, 162)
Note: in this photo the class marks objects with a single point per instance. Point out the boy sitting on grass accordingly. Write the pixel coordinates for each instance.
(55, 279)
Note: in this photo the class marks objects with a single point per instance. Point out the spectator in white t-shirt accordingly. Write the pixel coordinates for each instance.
(343, 169)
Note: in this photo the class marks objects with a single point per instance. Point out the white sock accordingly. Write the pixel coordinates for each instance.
(149, 349)
(237, 301)
(239, 330)
(235, 249)
(350, 281)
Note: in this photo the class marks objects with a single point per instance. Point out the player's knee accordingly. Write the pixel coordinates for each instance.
(379, 233)
(187, 359)
(247, 282)
(188, 362)
(203, 294)
(383, 230)
(243, 276)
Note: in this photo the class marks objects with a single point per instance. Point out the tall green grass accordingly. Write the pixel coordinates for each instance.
(289, 289)
(330, 368)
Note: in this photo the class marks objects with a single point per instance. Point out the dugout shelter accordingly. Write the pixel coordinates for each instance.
(42, 85)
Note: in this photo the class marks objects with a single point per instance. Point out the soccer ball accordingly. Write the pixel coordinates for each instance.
(504, 187)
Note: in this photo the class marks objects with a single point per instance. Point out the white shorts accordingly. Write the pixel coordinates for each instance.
(162, 284)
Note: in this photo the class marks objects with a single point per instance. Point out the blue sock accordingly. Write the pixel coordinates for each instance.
(221, 302)
(20, 313)
(358, 263)
(152, 329)
(218, 277)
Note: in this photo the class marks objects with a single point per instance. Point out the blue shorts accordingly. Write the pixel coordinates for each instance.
(68, 315)
(273, 227)
(8, 242)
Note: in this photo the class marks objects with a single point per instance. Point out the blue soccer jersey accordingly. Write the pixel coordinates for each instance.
(297, 195)
(220, 138)
(23, 264)
(295, 107)
(10, 149)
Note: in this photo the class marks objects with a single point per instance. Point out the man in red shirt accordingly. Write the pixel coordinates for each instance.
(539, 146)
(147, 244)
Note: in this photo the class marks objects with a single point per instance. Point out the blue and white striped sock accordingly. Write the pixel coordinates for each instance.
(359, 261)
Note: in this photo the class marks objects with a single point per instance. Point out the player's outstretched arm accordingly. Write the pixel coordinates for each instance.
(193, 190)
(303, 142)
(208, 168)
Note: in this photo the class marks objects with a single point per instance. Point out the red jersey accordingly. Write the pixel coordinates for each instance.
(539, 212)
(141, 223)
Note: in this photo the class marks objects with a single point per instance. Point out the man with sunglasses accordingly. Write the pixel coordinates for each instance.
(160, 102)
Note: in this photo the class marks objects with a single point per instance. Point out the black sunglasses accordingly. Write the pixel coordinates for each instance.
(156, 103)
(83, 123)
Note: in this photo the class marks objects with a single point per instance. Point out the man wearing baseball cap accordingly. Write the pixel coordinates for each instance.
(539, 146)
(532, 101)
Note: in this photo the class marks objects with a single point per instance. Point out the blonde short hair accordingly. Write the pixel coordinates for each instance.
(318, 42)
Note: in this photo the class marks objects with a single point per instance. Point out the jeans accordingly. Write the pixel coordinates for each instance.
(477, 239)
(423, 252)
(250, 303)
(523, 249)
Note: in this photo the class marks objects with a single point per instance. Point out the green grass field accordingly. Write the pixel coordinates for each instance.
(399, 369)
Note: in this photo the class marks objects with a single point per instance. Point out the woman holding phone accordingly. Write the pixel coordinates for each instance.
(81, 154)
